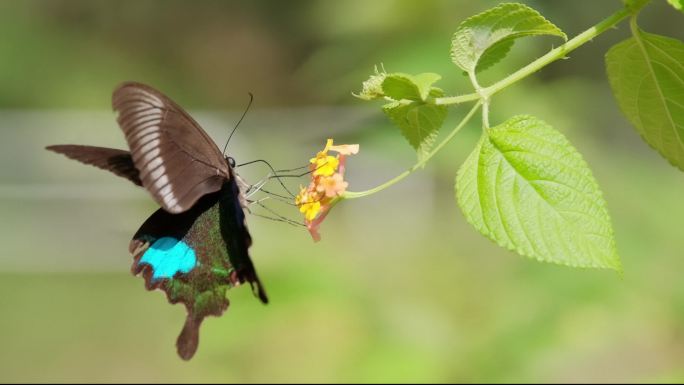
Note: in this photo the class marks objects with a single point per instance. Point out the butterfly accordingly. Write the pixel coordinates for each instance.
(195, 247)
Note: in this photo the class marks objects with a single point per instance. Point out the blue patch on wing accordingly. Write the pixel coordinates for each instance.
(169, 256)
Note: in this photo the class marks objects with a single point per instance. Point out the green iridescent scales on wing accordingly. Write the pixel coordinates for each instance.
(203, 289)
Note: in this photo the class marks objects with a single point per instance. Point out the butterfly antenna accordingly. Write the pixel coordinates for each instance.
(251, 99)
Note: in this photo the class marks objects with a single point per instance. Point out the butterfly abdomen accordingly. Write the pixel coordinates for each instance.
(236, 236)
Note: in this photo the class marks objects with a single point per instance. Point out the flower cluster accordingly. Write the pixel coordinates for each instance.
(326, 187)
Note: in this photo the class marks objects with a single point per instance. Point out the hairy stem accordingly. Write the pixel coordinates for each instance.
(483, 94)
(559, 52)
(450, 100)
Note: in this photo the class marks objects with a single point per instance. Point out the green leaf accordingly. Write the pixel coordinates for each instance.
(677, 4)
(646, 74)
(400, 86)
(419, 122)
(412, 109)
(484, 39)
(424, 82)
(526, 188)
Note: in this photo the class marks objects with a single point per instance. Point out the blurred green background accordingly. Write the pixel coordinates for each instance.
(401, 288)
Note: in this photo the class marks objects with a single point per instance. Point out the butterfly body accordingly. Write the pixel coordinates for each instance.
(195, 247)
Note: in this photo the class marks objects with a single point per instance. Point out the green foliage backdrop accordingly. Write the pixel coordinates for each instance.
(401, 288)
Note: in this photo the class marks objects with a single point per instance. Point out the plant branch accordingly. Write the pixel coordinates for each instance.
(464, 121)
(559, 52)
(449, 100)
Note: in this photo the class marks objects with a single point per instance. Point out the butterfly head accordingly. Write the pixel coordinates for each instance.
(231, 161)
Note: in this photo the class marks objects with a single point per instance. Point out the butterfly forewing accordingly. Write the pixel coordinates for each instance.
(177, 160)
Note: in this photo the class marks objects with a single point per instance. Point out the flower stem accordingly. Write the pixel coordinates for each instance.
(466, 119)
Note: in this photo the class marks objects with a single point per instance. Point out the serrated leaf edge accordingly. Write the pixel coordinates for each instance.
(484, 229)
(640, 128)
(519, 8)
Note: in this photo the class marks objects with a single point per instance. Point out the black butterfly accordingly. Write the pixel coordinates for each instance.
(196, 246)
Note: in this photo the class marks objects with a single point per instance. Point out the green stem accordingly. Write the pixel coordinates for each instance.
(485, 114)
(559, 52)
(484, 94)
(466, 119)
(634, 27)
(449, 100)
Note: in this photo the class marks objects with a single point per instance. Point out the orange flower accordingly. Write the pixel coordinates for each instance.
(332, 186)
(326, 187)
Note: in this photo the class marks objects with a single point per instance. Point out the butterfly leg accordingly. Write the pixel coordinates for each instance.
(261, 183)
(279, 197)
(277, 217)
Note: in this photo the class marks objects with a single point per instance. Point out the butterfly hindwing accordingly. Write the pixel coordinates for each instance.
(195, 257)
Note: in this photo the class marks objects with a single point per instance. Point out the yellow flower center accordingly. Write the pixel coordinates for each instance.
(325, 166)
(310, 210)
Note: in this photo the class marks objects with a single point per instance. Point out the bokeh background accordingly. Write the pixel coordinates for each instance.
(401, 288)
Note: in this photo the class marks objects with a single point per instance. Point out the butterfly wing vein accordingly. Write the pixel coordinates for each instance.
(177, 161)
